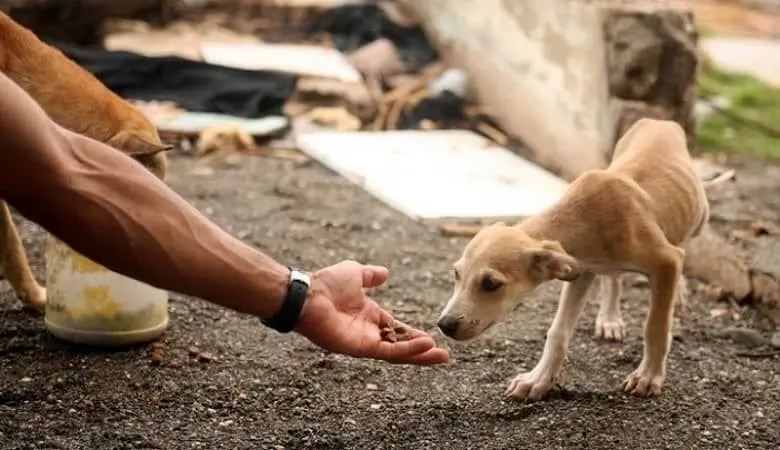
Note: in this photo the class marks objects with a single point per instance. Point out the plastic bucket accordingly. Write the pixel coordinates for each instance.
(89, 304)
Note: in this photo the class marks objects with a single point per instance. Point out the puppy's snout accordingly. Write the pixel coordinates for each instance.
(448, 325)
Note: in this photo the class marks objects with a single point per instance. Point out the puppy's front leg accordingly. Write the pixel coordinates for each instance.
(536, 383)
(665, 273)
(609, 323)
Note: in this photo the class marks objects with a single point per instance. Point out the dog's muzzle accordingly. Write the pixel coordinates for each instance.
(448, 325)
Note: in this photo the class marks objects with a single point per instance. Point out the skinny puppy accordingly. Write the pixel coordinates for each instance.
(634, 216)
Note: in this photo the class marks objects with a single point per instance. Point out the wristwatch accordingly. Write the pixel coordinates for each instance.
(286, 318)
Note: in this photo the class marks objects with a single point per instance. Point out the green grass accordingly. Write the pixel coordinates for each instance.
(748, 98)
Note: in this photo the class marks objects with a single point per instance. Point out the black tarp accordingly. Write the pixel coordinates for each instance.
(193, 85)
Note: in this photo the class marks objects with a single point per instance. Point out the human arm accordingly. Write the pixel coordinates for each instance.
(109, 208)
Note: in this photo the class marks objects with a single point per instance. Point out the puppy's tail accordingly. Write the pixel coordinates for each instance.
(725, 176)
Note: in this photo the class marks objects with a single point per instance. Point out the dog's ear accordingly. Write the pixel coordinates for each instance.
(135, 145)
(551, 262)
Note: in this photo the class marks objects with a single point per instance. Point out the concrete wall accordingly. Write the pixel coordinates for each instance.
(540, 67)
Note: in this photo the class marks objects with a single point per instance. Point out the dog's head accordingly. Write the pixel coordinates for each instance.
(497, 270)
(139, 139)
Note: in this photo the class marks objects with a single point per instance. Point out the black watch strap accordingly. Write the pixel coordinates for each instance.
(287, 317)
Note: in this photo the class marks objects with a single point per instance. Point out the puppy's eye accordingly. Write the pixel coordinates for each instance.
(490, 284)
(456, 274)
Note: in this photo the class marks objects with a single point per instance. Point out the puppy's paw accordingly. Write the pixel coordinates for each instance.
(35, 299)
(644, 383)
(532, 385)
(610, 328)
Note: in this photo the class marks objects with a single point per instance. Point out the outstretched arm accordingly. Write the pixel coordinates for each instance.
(108, 207)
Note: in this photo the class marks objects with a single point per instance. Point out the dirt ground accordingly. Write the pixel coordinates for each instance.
(266, 391)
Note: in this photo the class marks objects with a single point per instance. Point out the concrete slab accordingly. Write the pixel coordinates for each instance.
(310, 60)
(437, 174)
(187, 122)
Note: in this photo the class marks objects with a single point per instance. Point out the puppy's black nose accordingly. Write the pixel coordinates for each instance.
(448, 325)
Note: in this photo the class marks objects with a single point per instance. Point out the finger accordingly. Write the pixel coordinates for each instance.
(374, 276)
(400, 351)
(433, 356)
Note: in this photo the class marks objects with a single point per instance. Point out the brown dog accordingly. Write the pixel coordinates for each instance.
(634, 216)
(78, 101)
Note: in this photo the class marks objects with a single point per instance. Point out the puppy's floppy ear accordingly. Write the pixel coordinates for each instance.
(552, 262)
(135, 145)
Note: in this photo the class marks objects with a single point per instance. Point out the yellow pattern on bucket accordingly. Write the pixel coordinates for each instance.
(80, 264)
(98, 302)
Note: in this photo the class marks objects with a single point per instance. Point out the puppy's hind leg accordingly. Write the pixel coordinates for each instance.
(609, 323)
(664, 268)
(536, 383)
(14, 264)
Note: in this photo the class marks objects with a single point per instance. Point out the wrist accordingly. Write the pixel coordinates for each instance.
(316, 291)
(298, 291)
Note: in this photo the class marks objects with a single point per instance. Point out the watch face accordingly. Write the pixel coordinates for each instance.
(297, 275)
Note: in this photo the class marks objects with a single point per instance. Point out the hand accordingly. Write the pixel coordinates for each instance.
(340, 317)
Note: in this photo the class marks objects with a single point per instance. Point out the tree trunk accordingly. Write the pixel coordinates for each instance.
(652, 62)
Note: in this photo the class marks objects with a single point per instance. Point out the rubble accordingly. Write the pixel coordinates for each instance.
(378, 59)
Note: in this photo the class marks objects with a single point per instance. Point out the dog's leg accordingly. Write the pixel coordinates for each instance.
(664, 270)
(536, 383)
(609, 323)
(682, 293)
(14, 264)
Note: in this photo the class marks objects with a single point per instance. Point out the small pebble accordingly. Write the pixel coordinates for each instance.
(375, 406)
(745, 336)
(226, 423)
(775, 341)
(205, 357)
(372, 387)
(158, 354)
(26, 380)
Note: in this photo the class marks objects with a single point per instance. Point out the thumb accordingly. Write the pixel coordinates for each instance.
(374, 276)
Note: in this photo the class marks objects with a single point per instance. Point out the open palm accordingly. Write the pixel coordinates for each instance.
(340, 317)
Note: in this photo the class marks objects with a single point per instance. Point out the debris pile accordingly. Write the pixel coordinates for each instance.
(349, 67)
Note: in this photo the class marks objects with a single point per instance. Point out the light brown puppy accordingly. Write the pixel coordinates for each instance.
(78, 101)
(634, 216)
